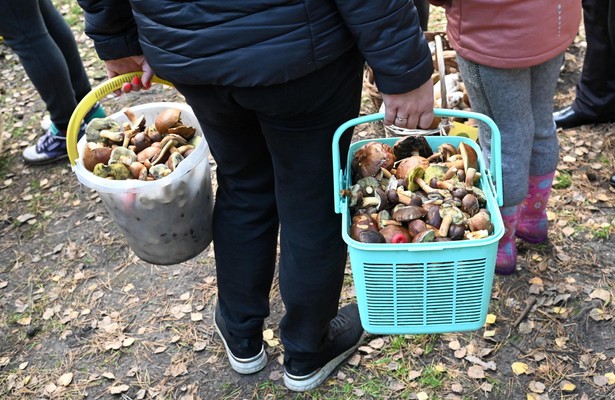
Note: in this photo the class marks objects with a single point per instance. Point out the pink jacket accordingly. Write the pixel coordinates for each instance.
(512, 33)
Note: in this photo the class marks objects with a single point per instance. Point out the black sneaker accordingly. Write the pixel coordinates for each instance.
(246, 355)
(345, 335)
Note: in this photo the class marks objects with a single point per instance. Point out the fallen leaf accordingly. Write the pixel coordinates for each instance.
(108, 375)
(601, 294)
(50, 388)
(377, 343)
(160, 349)
(25, 217)
(422, 396)
(597, 314)
(476, 372)
(197, 316)
(24, 321)
(199, 346)
(567, 386)
(185, 296)
(65, 379)
(4, 361)
(454, 345)
(23, 365)
(128, 342)
(118, 389)
(601, 380)
(176, 370)
(3, 284)
(537, 387)
(520, 368)
(491, 318)
(412, 375)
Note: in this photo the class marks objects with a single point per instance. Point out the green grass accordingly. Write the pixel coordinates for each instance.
(563, 181)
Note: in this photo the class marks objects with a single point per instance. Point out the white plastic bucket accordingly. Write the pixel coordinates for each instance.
(166, 221)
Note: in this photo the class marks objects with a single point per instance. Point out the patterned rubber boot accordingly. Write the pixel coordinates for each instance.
(506, 261)
(533, 224)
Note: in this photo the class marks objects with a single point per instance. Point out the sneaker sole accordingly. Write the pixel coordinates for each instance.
(311, 381)
(244, 366)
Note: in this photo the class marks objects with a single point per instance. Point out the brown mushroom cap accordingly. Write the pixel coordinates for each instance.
(370, 158)
(167, 119)
(470, 158)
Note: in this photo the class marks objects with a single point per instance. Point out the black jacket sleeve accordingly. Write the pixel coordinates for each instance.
(111, 25)
(388, 35)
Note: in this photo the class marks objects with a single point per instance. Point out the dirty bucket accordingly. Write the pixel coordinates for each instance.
(166, 221)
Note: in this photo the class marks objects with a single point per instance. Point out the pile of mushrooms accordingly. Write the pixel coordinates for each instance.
(136, 150)
(410, 193)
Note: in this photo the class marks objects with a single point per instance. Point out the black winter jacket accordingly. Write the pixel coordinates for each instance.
(254, 43)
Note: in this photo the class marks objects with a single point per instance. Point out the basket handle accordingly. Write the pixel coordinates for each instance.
(495, 167)
(441, 71)
(96, 94)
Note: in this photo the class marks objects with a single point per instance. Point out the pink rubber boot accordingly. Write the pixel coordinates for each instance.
(533, 224)
(506, 261)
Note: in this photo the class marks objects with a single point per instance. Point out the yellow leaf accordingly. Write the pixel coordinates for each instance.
(440, 368)
(268, 334)
(24, 321)
(536, 281)
(611, 377)
(559, 310)
(489, 333)
(567, 386)
(520, 368)
(490, 319)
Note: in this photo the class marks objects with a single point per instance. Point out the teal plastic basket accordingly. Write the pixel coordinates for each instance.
(421, 288)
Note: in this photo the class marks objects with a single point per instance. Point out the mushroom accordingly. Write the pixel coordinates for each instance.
(159, 171)
(370, 158)
(122, 155)
(94, 153)
(116, 172)
(168, 118)
(360, 223)
(412, 146)
(378, 200)
(395, 234)
(408, 213)
(138, 171)
(170, 140)
(141, 141)
(96, 125)
(469, 156)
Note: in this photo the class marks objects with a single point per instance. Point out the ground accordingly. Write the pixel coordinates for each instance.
(82, 316)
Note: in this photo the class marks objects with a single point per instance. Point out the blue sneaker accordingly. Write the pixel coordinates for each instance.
(52, 145)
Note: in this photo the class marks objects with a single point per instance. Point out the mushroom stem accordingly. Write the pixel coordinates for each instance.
(445, 225)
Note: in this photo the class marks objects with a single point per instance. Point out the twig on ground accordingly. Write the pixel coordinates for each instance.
(530, 303)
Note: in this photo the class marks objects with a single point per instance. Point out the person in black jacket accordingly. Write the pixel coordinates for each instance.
(270, 82)
(595, 92)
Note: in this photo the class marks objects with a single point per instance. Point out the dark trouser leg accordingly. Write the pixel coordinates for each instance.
(27, 32)
(273, 150)
(595, 94)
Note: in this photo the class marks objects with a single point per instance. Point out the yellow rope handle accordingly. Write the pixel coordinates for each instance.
(86, 104)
